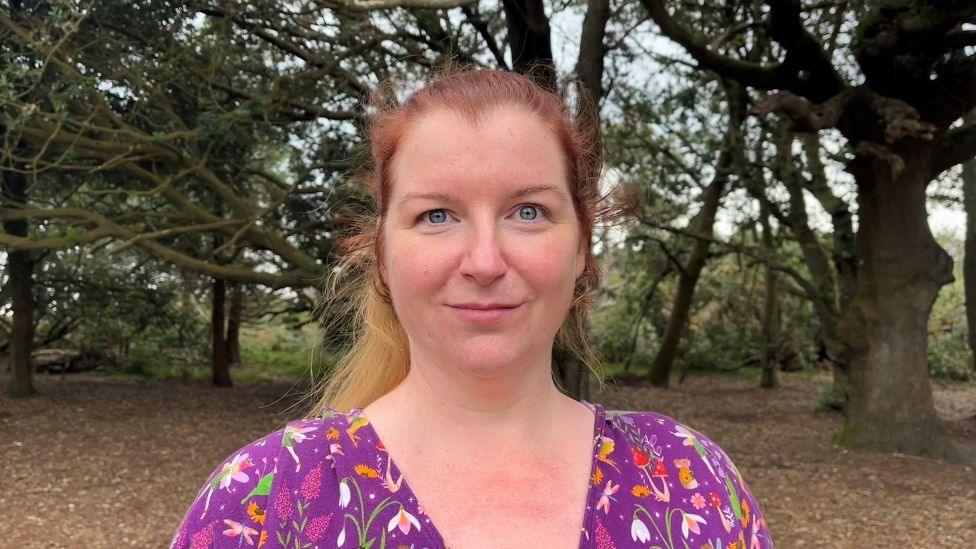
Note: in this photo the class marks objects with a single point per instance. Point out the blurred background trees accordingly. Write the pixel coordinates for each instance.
(176, 175)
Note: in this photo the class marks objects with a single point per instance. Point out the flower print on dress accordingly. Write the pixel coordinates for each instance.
(639, 531)
(363, 524)
(403, 520)
(690, 522)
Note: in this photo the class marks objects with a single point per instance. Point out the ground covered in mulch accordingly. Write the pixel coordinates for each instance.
(96, 462)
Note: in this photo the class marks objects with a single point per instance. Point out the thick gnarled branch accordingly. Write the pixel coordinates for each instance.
(958, 146)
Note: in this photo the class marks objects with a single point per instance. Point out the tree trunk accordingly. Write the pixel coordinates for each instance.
(969, 257)
(660, 372)
(844, 257)
(767, 379)
(20, 279)
(221, 372)
(886, 328)
(233, 342)
(529, 40)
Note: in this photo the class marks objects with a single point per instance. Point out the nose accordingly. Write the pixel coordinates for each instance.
(483, 261)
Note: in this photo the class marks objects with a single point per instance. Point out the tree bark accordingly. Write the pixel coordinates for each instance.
(221, 372)
(767, 379)
(886, 328)
(20, 279)
(233, 341)
(589, 66)
(844, 258)
(969, 257)
(660, 372)
(529, 41)
(829, 300)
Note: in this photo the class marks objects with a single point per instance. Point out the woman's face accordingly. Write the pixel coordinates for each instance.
(482, 246)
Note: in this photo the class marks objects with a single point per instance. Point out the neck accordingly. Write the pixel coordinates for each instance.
(512, 405)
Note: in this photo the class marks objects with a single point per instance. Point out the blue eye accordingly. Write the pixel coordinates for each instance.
(528, 213)
(436, 217)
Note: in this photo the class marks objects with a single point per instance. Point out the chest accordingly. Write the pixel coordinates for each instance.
(522, 503)
(511, 509)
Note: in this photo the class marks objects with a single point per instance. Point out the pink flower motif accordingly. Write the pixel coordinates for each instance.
(698, 501)
(318, 526)
(282, 504)
(203, 538)
(312, 484)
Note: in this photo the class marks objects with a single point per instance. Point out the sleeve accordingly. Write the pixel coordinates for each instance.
(230, 507)
(737, 502)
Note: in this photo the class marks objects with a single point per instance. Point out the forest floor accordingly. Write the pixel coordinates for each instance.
(100, 462)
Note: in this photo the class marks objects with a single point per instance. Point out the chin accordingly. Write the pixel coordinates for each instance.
(488, 360)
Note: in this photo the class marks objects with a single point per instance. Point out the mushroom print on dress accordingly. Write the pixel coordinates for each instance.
(330, 482)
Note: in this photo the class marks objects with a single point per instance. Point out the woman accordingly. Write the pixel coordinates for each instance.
(478, 260)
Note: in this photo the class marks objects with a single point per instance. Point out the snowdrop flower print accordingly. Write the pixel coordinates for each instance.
(639, 531)
(403, 520)
(690, 522)
(344, 494)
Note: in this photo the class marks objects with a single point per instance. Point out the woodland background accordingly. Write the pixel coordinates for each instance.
(800, 277)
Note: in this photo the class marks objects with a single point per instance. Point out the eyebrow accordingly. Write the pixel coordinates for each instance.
(453, 198)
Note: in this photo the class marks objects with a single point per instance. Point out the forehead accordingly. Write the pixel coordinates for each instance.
(508, 148)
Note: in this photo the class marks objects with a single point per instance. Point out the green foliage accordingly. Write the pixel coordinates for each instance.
(949, 356)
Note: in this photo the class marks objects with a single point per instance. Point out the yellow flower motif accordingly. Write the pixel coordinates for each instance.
(640, 491)
(256, 513)
(597, 477)
(332, 434)
(364, 470)
(263, 539)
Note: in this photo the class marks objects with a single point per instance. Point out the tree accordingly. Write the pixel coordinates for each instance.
(918, 81)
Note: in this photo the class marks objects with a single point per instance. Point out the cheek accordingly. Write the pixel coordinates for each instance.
(413, 268)
(547, 263)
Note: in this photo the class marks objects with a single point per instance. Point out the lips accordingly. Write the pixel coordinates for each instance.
(484, 313)
(484, 306)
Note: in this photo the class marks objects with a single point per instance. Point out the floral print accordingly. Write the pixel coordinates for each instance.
(330, 482)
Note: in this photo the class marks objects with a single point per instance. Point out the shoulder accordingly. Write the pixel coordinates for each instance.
(650, 428)
(700, 471)
(232, 504)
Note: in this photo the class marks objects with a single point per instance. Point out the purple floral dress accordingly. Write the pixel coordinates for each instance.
(329, 482)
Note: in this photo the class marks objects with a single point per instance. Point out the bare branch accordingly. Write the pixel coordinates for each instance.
(766, 77)
(370, 5)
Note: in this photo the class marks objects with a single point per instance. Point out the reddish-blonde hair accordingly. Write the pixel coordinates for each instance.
(378, 358)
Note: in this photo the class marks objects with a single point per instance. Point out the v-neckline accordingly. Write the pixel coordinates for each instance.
(430, 530)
